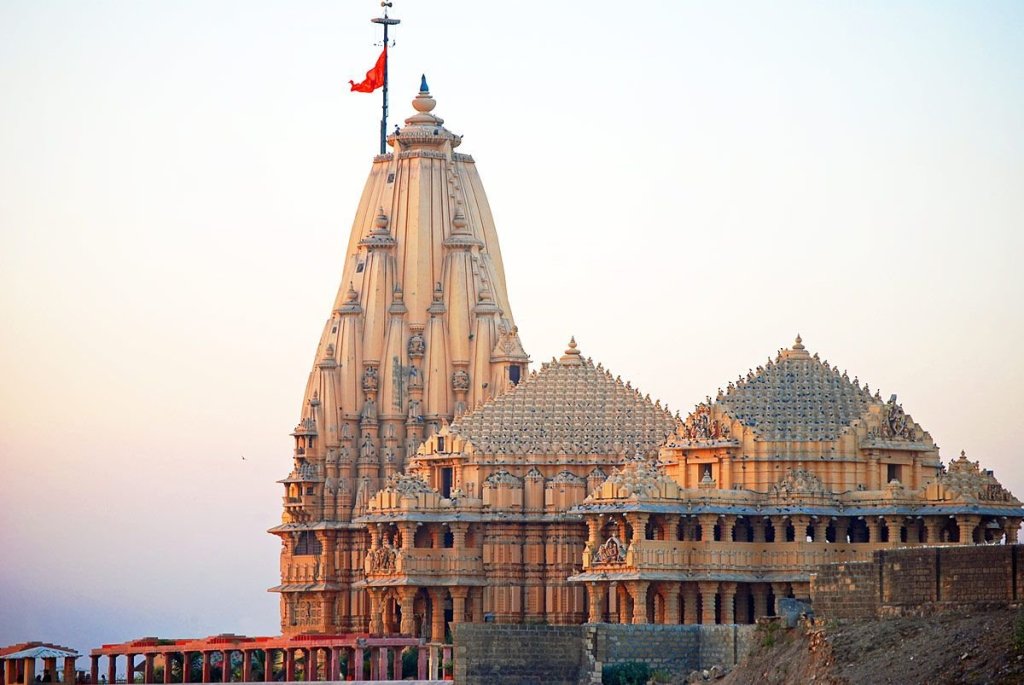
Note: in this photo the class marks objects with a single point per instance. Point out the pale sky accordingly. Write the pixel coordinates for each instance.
(682, 186)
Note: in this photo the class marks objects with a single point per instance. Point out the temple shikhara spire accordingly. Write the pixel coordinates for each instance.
(421, 331)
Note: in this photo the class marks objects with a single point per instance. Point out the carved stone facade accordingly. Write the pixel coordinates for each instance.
(793, 466)
(436, 480)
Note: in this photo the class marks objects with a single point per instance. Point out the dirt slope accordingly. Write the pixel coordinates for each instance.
(937, 650)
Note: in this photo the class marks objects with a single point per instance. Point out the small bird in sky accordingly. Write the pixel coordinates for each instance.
(243, 458)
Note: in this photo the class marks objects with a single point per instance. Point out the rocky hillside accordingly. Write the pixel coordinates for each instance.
(977, 648)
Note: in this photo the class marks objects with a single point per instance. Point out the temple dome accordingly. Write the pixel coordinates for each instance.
(569, 407)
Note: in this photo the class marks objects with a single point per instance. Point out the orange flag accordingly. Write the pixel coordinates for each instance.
(374, 77)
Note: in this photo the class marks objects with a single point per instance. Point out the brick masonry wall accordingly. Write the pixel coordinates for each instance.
(920, 581)
(503, 654)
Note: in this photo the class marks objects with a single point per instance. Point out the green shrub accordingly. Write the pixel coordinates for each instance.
(626, 673)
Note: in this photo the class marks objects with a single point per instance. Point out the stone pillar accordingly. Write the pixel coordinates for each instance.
(967, 526)
(357, 663)
(94, 668)
(874, 529)
(437, 613)
(408, 529)
(396, 667)
(111, 669)
(205, 671)
(670, 592)
(638, 521)
(708, 590)
(800, 524)
(728, 590)
(289, 664)
(129, 669)
(477, 601)
(382, 663)
(459, 529)
(760, 593)
(376, 611)
(842, 526)
(458, 603)
(820, 524)
(408, 601)
(779, 525)
(757, 524)
(781, 590)
(725, 473)
(593, 531)
(728, 527)
(225, 666)
(148, 667)
(50, 668)
(707, 526)
(873, 472)
(268, 665)
(594, 592)
(29, 667)
(421, 663)
(638, 589)
(689, 603)
(246, 665)
(894, 524)
(1011, 528)
(69, 671)
(916, 472)
(335, 671)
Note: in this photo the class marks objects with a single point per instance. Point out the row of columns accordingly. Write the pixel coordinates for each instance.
(23, 671)
(927, 529)
(380, 656)
(438, 595)
(632, 606)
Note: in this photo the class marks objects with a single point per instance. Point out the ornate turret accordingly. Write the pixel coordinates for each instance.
(421, 331)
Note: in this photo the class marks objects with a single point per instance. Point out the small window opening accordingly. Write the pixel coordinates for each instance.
(446, 482)
(359, 268)
(513, 374)
(893, 473)
(307, 544)
(440, 443)
(391, 178)
(449, 539)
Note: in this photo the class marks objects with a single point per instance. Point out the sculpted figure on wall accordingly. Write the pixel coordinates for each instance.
(611, 552)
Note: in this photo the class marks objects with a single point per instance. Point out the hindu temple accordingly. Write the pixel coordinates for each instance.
(437, 480)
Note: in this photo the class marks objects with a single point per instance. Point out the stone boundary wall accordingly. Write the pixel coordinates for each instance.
(504, 654)
(920, 581)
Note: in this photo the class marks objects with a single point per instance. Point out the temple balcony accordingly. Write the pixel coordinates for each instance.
(760, 559)
(394, 566)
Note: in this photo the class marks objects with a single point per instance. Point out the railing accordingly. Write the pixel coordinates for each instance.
(698, 557)
(445, 561)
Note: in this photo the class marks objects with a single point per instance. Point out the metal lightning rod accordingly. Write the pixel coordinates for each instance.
(386, 21)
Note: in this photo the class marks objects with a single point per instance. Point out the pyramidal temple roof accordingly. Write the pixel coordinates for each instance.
(796, 396)
(569, 407)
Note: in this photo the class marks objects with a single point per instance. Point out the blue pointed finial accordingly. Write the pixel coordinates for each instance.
(423, 84)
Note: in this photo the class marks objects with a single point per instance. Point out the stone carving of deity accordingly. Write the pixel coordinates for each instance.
(460, 380)
(370, 379)
(417, 345)
(611, 552)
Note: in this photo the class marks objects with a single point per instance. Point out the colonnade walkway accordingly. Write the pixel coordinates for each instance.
(237, 658)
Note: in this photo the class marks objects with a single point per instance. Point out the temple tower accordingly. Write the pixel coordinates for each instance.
(420, 331)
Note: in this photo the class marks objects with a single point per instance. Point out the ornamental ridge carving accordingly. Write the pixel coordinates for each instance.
(896, 423)
(700, 425)
(383, 559)
(611, 552)
(798, 482)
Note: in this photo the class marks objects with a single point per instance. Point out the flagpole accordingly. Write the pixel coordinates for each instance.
(386, 21)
